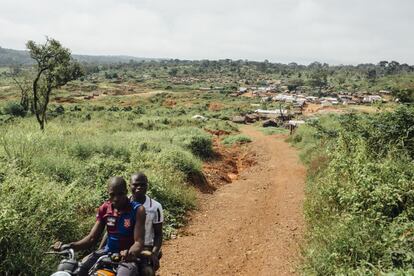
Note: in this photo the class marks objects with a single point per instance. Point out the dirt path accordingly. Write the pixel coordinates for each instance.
(252, 226)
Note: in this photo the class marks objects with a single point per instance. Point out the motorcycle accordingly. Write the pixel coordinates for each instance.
(106, 265)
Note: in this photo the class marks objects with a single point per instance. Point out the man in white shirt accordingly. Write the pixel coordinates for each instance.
(154, 217)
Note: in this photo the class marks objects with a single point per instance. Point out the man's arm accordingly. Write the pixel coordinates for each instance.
(139, 232)
(157, 238)
(157, 226)
(157, 245)
(90, 239)
(103, 241)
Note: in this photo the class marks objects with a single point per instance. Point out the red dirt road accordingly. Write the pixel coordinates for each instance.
(252, 226)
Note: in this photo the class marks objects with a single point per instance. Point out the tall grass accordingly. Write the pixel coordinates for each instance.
(359, 204)
(51, 183)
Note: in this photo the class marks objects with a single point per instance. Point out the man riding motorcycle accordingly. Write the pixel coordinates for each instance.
(125, 224)
(153, 223)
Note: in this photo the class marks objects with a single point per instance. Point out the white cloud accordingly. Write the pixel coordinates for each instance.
(335, 31)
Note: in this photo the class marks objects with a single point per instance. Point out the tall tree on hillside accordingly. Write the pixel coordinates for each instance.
(54, 68)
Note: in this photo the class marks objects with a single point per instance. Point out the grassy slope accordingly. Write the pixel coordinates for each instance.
(52, 182)
(359, 195)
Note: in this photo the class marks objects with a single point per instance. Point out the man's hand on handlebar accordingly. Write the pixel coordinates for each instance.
(127, 256)
(59, 246)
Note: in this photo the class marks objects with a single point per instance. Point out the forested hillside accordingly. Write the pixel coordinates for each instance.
(10, 57)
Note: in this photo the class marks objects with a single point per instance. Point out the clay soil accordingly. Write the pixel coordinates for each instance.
(251, 226)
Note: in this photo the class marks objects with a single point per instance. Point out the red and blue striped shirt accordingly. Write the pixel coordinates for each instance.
(119, 225)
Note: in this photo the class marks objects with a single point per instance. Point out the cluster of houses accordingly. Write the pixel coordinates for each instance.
(271, 118)
(257, 91)
(272, 93)
(300, 100)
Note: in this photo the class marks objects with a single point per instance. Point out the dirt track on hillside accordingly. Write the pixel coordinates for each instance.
(252, 226)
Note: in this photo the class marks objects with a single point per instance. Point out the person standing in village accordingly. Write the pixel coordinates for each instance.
(153, 222)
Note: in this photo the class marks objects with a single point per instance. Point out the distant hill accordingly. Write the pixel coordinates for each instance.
(18, 57)
(14, 57)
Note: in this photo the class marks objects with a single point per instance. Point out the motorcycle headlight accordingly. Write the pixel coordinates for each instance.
(61, 273)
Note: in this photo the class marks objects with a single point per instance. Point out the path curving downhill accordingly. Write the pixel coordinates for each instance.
(253, 226)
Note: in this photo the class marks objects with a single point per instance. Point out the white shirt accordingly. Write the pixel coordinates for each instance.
(154, 215)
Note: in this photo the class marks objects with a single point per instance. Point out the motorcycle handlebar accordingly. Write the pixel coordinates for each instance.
(68, 252)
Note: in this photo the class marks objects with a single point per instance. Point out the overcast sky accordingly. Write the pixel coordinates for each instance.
(333, 31)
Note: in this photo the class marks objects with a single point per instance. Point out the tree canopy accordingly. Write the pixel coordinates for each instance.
(54, 68)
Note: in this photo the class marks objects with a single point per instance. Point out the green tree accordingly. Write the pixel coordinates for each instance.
(293, 84)
(393, 67)
(173, 72)
(341, 79)
(372, 75)
(319, 79)
(54, 68)
(405, 95)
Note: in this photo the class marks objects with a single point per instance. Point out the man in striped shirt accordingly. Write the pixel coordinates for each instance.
(154, 217)
(124, 221)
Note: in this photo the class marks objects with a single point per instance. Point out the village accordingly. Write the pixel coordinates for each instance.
(300, 95)
(293, 108)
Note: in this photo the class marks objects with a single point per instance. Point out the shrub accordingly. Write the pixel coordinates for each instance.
(81, 150)
(233, 139)
(359, 203)
(75, 108)
(61, 168)
(196, 140)
(180, 160)
(139, 110)
(14, 109)
(98, 108)
(113, 108)
(60, 110)
(84, 149)
(100, 168)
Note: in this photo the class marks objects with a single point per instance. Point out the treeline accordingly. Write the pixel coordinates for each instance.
(9, 57)
(194, 67)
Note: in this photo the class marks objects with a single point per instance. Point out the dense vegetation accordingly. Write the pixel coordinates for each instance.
(51, 183)
(360, 200)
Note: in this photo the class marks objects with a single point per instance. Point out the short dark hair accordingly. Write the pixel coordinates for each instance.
(140, 176)
(118, 182)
